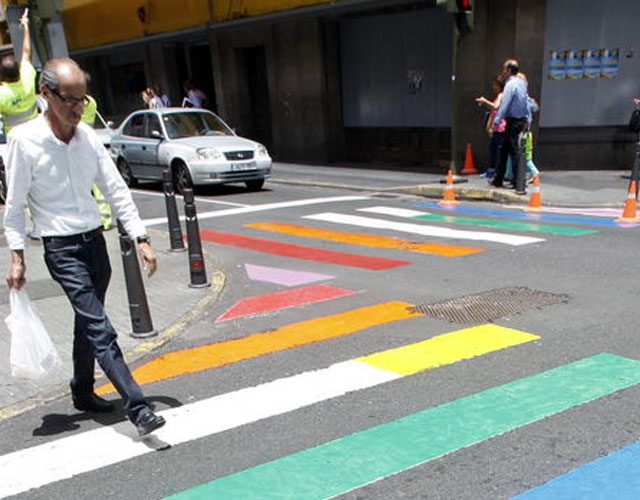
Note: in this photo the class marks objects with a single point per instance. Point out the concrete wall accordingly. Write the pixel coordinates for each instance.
(297, 86)
(502, 29)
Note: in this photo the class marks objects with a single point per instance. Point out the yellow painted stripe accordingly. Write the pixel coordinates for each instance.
(447, 348)
(208, 356)
(368, 240)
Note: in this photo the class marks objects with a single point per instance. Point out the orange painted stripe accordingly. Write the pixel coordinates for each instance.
(209, 356)
(368, 240)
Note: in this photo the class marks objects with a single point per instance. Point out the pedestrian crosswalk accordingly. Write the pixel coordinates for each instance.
(338, 466)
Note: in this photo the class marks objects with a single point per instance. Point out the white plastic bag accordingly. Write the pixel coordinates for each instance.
(33, 355)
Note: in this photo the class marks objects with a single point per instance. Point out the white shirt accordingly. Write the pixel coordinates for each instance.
(54, 179)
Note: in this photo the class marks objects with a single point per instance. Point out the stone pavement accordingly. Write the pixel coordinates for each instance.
(174, 304)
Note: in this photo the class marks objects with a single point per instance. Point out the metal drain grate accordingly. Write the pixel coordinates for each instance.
(490, 305)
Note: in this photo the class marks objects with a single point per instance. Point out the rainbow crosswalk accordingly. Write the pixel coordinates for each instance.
(372, 454)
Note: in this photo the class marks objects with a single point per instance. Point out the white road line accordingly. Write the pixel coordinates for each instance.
(398, 212)
(260, 208)
(423, 229)
(63, 458)
(198, 199)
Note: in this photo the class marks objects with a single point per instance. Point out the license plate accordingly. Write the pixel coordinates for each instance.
(236, 167)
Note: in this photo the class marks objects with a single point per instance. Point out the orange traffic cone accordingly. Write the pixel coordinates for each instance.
(629, 210)
(468, 168)
(535, 204)
(448, 195)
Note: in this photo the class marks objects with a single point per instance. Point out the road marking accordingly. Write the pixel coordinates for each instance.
(301, 252)
(67, 457)
(423, 230)
(260, 304)
(351, 462)
(209, 356)
(198, 198)
(446, 349)
(531, 216)
(500, 224)
(614, 476)
(261, 208)
(280, 276)
(369, 240)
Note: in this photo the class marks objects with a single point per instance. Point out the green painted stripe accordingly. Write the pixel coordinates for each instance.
(350, 462)
(511, 225)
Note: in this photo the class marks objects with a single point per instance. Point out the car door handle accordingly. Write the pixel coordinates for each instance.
(144, 148)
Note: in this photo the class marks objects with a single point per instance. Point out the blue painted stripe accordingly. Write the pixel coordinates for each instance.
(575, 219)
(612, 477)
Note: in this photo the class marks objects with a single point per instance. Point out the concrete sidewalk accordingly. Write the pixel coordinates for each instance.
(595, 188)
(172, 302)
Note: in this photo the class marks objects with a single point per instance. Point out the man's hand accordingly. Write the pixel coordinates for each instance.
(148, 257)
(17, 270)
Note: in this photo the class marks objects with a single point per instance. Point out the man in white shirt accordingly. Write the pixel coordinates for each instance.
(52, 162)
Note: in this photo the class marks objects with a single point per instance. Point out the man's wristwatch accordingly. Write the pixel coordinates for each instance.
(143, 239)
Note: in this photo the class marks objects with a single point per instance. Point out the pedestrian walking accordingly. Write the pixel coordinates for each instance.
(18, 88)
(495, 132)
(52, 162)
(194, 97)
(514, 108)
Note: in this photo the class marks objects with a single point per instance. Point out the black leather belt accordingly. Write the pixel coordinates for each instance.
(75, 238)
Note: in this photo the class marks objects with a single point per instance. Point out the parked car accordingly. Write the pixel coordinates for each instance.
(196, 145)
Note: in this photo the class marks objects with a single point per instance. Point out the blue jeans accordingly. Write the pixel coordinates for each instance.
(81, 265)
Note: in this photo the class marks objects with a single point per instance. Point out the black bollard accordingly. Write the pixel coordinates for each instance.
(197, 271)
(138, 305)
(175, 230)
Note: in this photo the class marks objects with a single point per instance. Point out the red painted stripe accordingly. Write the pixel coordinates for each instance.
(281, 300)
(301, 252)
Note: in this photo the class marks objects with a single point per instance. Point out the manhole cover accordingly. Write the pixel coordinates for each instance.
(490, 305)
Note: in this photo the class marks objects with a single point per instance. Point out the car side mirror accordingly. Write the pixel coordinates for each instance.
(110, 124)
(156, 134)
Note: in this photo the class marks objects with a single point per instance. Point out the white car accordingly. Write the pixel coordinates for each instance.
(195, 144)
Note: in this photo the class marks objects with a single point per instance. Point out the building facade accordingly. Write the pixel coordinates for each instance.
(373, 81)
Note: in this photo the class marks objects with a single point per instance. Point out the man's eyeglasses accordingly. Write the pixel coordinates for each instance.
(70, 100)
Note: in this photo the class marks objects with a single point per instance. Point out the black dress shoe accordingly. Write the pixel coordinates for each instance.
(496, 184)
(92, 403)
(148, 422)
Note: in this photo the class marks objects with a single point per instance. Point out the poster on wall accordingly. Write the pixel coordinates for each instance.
(592, 63)
(575, 64)
(610, 63)
(557, 65)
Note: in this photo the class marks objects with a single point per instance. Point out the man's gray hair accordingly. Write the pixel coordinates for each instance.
(49, 76)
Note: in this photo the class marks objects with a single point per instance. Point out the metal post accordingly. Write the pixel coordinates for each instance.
(138, 305)
(197, 271)
(175, 230)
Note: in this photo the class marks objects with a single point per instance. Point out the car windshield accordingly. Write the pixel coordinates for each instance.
(192, 124)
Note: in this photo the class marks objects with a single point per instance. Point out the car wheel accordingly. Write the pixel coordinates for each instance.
(3, 183)
(255, 185)
(125, 172)
(181, 177)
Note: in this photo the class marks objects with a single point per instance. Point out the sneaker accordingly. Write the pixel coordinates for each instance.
(521, 192)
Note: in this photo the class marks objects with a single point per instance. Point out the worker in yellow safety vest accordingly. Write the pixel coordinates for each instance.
(89, 117)
(18, 87)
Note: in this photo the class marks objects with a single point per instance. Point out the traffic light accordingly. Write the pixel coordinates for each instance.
(464, 16)
(462, 11)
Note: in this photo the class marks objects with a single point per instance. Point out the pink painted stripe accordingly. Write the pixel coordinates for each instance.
(261, 304)
(280, 276)
(301, 252)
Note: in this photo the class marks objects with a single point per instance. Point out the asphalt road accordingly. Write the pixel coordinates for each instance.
(536, 399)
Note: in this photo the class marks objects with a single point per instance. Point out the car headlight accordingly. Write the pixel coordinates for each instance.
(208, 154)
(261, 151)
